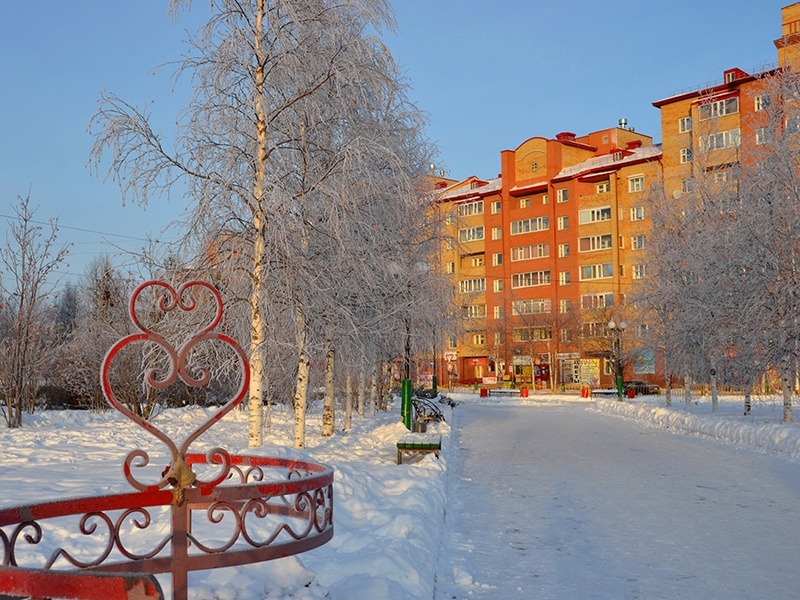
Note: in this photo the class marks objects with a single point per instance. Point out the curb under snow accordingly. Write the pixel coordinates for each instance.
(777, 438)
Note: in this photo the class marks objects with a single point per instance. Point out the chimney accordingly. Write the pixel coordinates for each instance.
(633, 144)
(565, 136)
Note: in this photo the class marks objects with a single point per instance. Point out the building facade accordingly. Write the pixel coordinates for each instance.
(544, 255)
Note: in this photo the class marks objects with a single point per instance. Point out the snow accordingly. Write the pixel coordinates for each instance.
(404, 531)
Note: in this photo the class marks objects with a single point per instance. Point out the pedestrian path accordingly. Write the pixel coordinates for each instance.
(560, 502)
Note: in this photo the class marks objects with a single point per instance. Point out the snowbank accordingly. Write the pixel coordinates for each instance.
(762, 431)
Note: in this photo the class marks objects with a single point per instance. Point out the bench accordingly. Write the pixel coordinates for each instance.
(425, 410)
(605, 392)
(418, 442)
(511, 392)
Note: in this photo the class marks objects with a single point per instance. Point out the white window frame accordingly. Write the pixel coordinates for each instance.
(636, 183)
(497, 285)
(686, 155)
(562, 195)
(638, 242)
(530, 279)
(599, 271)
(497, 259)
(684, 124)
(497, 233)
(496, 206)
(762, 102)
(563, 250)
(530, 225)
(603, 187)
(476, 311)
(604, 241)
(719, 108)
(471, 286)
(639, 271)
(599, 300)
(594, 215)
(565, 306)
(719, 141)
(470, 234)
(530, 252)
(563, 223)
(537, 306)
(637, 213)
(564, 278)
(498, 312)
(467, 209)
(524, 202)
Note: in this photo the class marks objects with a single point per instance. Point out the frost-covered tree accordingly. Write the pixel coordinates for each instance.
(299, 123)
(29, 260)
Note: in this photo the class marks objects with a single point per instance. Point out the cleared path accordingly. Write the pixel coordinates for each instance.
(561, 502)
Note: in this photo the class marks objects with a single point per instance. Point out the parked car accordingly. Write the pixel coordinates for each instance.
(641, 387)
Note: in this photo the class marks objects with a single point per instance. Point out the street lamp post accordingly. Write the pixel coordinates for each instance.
(617, 329)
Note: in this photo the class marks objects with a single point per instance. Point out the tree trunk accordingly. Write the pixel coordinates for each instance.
(373, 394)
(301, 385)
(687, 392)
(748, 391)
(714, 393)
(786, 384)
(328, 414)
(348, 401)
(362, 385)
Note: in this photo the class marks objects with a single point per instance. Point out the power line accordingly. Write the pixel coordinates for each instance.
(83, 230)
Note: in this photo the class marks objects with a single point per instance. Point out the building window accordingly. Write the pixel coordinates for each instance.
(638, 242)
(470, 208)
(451, 267)
(594, 242)
(762, 102)
(604, 187)
(719, 108)
(529, 225)
(529, 252)
(531, 307)
(636, 183)
(476, 311)
(470, 234)
(564, 278)
(524, 202)
(687, 185)
(562, 195)
(499, 338)
(762, 136)
(497, 259)
(530, 334)
(545, 199)
(565, 306)
(563, 223)
(603, 271)
(718, 141)
(565, 335)
(684, 124)
(478, 339)
(593, 215)
(495, 207)
(467, 286)
(477, 261)
(639, 271)
(686, 155)
(591, 301)
(498, 313)
(530, 279)
(637, 213)
(563, 250)
(452, 342)
(497, 286)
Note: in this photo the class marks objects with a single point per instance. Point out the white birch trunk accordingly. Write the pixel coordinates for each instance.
(328, 413)
(362, 384)
(348, 402)
(714, 393)
(373, 394)
(301, 385)
(786, 385)
(687, 392)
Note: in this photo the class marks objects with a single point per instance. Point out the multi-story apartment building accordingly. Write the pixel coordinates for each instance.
(546, 253)
(548, 250)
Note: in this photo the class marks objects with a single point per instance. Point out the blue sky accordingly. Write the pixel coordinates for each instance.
(488, 74)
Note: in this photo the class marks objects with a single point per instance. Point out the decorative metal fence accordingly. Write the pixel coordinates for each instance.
(205, 511)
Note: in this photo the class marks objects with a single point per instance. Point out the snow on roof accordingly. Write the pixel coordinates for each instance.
(459, 191)
(607, 160)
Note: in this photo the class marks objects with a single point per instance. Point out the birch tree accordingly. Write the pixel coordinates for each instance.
(289, 99)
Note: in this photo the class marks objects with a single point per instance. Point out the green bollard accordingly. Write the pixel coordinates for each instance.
(435, 385)
(405, 406)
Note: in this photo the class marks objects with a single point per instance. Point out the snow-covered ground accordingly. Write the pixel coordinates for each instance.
(389, 518)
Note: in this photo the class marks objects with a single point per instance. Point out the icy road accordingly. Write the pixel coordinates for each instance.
(560, 502)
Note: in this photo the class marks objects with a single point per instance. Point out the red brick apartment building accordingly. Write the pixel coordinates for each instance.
(548, 250)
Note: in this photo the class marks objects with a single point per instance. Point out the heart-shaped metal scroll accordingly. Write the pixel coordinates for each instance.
(177, 474)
